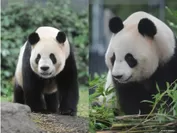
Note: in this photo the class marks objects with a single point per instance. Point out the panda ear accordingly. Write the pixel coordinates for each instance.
(33, 38)
(147, 27)
(61, 37)
(115, 24)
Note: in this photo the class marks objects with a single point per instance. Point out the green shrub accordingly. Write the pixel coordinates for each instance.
(18, 21)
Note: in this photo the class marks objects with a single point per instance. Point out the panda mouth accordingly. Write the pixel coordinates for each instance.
(128, 78)
(124, 81)
(46, 74)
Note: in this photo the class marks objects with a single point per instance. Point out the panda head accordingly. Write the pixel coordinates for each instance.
(49, 51)
(134, 52)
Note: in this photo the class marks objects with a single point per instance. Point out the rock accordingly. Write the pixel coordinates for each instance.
(15, 118)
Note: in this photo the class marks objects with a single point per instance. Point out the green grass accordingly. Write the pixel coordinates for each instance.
(5, 99)
(83, 106)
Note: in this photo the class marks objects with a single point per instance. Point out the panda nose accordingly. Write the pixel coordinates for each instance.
(44, 68)
(118, 76)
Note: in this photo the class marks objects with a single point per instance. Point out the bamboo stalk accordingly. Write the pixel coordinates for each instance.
(140, 123)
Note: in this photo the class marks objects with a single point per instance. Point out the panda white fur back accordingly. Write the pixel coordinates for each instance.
(141, 53)
(46, 66)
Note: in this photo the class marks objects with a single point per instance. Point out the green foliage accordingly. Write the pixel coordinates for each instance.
(160, 100)
(172, 19)
(18, 21)
(101, 117)
(83, 105)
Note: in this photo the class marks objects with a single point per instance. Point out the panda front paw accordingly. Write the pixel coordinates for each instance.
(68, 112)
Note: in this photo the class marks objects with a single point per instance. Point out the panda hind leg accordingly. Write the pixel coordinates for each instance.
(18, 94)
(52, 102)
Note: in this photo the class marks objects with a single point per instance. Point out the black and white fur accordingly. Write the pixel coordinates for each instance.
(46, 73)
(141, 53)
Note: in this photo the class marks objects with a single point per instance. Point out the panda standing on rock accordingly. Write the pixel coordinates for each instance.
(46, 73)
(141, 53)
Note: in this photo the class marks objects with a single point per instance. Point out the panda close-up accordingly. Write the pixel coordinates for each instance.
(46, 73)
(142, 53)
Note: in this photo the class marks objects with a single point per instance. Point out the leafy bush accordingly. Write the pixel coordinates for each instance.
(18, 21)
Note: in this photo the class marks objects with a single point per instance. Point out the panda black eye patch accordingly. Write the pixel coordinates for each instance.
(53, 58)
(37, 58)
(131, 61)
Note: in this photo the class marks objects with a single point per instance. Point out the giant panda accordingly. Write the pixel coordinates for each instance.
(46, 73)
(142, 53)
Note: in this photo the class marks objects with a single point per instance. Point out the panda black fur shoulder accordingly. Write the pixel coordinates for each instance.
(141, 53)
(46, 73)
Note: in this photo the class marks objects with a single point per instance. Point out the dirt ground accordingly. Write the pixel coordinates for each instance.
(53, 123)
